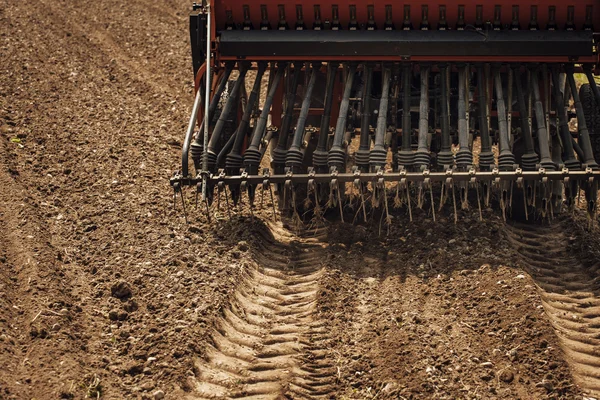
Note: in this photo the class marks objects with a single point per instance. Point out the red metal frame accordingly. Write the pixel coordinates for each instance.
(236, 7)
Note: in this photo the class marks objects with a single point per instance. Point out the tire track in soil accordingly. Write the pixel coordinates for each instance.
(570, 295)
(270, 342)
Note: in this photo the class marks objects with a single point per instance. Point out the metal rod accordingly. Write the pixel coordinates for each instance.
(324, 131)
(206, 103)
(301, 123)
(540, 120)
(524, 113)
(362, 155)
(486, 145)
(379, 153)
(424, 109)
(456, 176)
(504, 141)
(320, 153)
(563, 125)
(340, 128)
(261, 124)
(406, 123)
(243, 126)
(336, 156)
(190, 131)
(289, 107)
(233, 97)
(463, 132)
(584, 135)
(446, 142)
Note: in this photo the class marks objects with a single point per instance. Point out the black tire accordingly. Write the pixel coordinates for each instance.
(592, 116)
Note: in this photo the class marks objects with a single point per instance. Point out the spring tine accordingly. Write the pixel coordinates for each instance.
(174, 198)
(525, 205)
(510, 199)
(227, 202)
(455, 210)
(408, 202)
(339, 201)
(420, 196)
(442, 197)
(431, 198)
(183, 206)
(273, 202)
(207, 210)
(478, 201)
(219, 189)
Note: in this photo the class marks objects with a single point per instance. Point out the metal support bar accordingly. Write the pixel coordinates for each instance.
(467, 176)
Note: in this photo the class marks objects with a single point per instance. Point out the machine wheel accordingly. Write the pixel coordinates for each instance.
(592, 116)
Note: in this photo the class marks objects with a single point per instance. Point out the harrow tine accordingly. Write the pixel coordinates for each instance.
(455, 210)
(478, 201)
(176, 188)
(408, 202)
(183, 206)
(272, 202)
(428, 184)
(227, 202)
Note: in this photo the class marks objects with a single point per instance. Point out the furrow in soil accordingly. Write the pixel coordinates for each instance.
(570, 296)
(269, 341)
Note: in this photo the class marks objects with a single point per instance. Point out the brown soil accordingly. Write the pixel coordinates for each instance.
(106, 292)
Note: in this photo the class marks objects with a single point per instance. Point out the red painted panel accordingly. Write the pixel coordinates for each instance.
(236, 7)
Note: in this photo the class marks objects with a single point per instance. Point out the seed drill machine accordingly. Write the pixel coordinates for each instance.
(333, 106)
